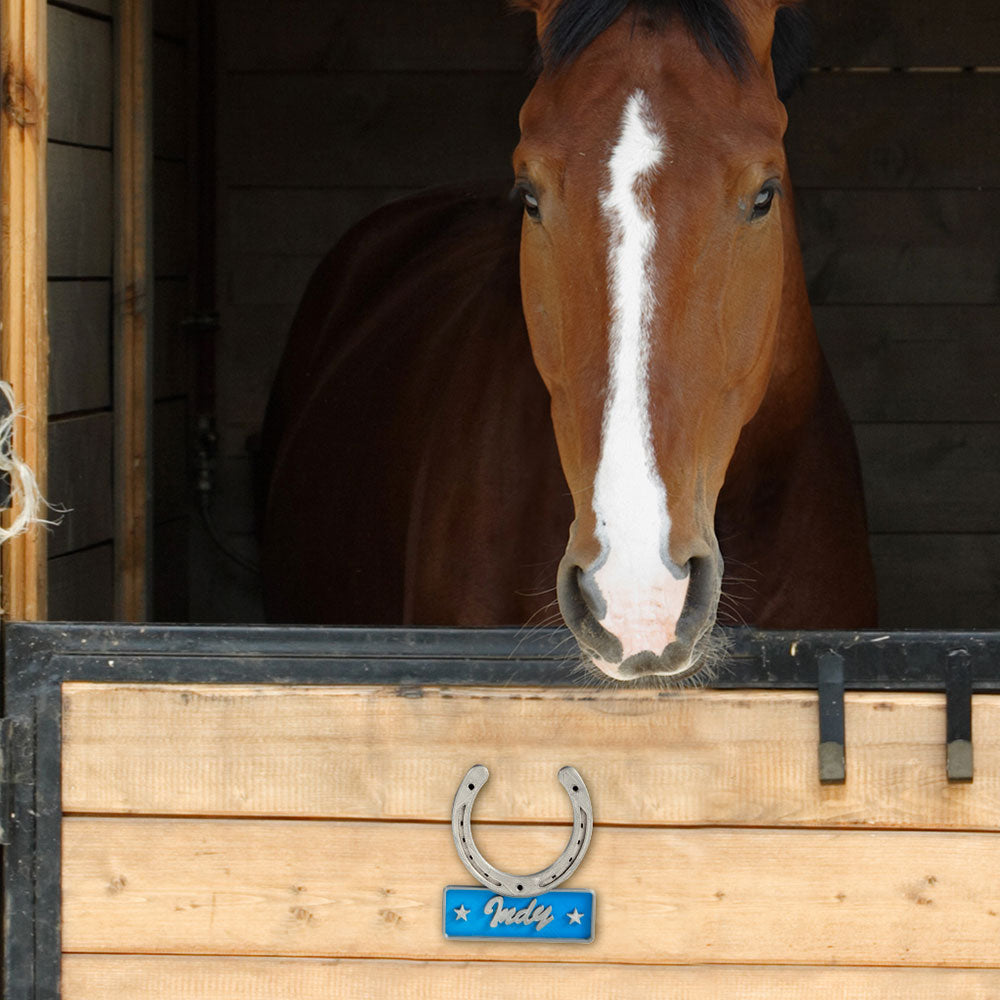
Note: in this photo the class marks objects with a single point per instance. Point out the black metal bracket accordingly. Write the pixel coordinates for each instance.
(830, 685)
(958, 694)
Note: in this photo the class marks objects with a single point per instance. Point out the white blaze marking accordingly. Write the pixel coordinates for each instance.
(643, 598)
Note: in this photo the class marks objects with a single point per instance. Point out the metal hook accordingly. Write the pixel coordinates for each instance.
(521, 885)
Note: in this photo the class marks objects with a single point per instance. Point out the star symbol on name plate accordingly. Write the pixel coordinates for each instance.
(575, 916)
(461, 913)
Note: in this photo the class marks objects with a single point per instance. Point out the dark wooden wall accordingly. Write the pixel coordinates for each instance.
(175, 260)
(81, 213)
(81, 235)
(895, 147)
(328, 110)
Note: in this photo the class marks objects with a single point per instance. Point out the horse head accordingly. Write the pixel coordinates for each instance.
(652, 174)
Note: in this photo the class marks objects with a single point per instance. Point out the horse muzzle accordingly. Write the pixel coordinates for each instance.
(630, 632)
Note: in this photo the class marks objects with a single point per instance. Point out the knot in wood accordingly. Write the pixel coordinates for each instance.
(20, 105)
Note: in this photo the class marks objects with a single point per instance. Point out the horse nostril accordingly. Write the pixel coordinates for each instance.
(582, 606)
(591, 594)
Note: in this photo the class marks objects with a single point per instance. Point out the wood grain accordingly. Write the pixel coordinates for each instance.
(82, 585)
(931, 477)
(97, 6)
(371, 129)
(171, 219)
(80, 345)
(916, 247)
(171, 358)
(94, 977)
(134, 278)
(381, 35)
(300, 222)
(905, 33)
(913, 363)
(24, 338)
(170, 89)
(80, 212)
(895, 130)
(665, 896)
(938, 581)
(708, 757)
(80, 78)
(171, 489)
(171, 559)
(171, 17)
(80, 450)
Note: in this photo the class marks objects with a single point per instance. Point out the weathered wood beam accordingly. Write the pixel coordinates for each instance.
(24, 339)
(133, 291)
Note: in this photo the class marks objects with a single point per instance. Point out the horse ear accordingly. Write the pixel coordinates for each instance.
(760, 25)
(542, 9)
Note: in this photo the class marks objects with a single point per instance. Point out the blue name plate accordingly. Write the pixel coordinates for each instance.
(471, 912)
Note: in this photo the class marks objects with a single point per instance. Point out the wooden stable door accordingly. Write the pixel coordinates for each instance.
(265, 812)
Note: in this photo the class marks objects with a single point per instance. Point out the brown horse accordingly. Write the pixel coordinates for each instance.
(414, 477)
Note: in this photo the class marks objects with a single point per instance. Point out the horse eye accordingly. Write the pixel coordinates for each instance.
(762, 203)
(530, 202)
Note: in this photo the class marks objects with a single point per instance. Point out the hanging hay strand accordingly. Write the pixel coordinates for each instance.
(26, 499)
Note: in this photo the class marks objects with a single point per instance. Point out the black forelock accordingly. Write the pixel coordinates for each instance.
(717, 30)
(576, 23)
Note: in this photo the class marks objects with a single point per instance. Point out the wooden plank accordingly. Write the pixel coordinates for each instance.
(133, 323)
(665, 896)
(299, 222)
(911, 363)
(97, 6)
(916, 247)
(171, 488)
(171, 17)
(371, 129)
(170, 579)
(263, 279)
(80, 78)
(171, 343)
(170, 109)
(80, 480)
(382, 35)
(938, 581)
(252, 339)
(24, 336)
(80, 228)
(906, 33)
(94, 977)
(82, 585)
(895, 130)
(931, 477)
(171, 219)
(367, 752)
(80, 343)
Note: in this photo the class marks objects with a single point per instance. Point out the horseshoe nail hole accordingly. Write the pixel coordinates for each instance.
(520, 887)
(472, 788)
(576, 788)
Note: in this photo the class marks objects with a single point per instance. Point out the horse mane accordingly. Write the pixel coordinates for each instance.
(716, 28)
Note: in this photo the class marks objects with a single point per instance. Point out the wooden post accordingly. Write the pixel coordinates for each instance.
(24, 339)
(133, 308)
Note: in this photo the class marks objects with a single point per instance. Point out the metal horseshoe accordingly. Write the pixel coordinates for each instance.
(521, 885)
